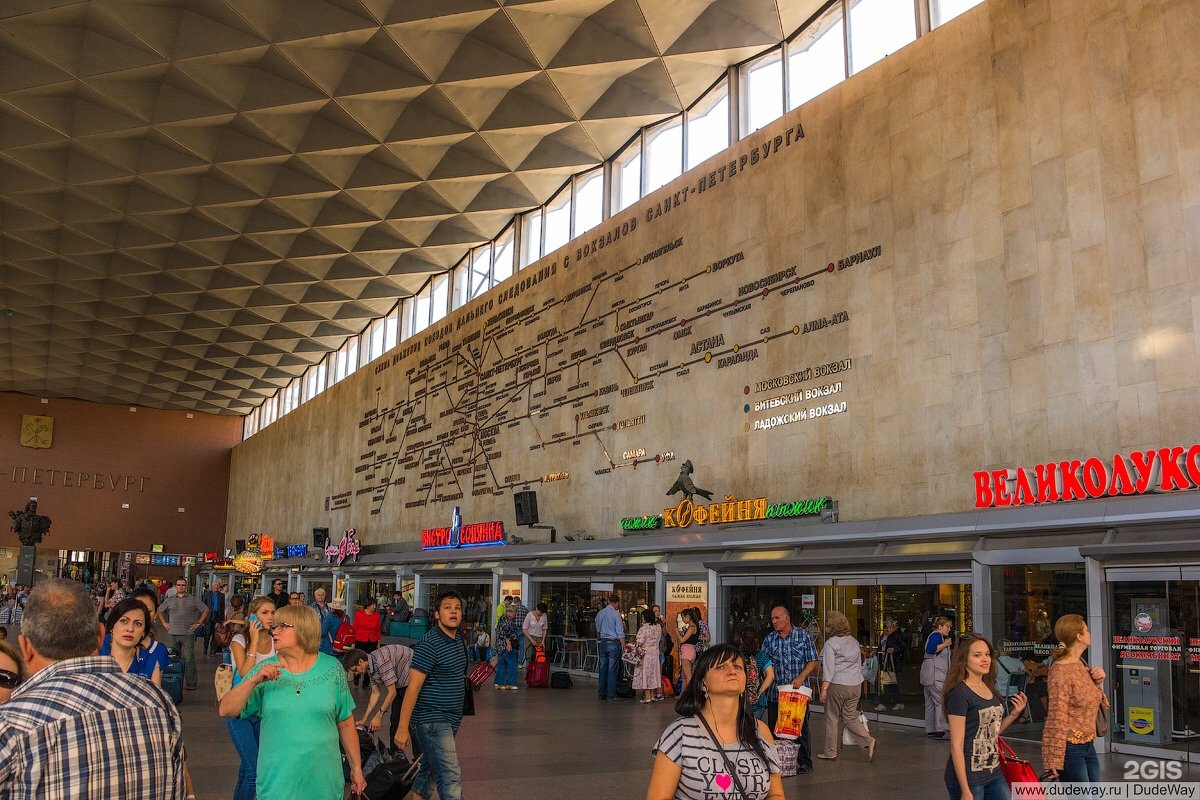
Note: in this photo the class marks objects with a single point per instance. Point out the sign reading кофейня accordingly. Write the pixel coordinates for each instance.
(1167, 469)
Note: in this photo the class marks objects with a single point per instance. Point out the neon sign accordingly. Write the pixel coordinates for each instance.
(479, 534)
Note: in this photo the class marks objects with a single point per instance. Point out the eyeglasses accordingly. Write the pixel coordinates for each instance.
(9, 680)
(281, 626)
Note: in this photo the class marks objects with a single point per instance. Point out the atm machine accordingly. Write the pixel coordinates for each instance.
(1145, 682)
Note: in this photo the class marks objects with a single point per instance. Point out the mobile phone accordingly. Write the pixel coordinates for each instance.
(253, 618)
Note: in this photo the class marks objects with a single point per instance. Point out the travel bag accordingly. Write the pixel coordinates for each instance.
(560, 680)
(481, 674)
(537, 675)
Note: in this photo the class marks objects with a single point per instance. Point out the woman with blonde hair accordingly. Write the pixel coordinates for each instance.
(246, 650)
(302, 697)
(841, 687)
(1075, 698)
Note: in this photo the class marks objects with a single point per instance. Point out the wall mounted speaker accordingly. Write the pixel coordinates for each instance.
(319, 536)
(526, 507)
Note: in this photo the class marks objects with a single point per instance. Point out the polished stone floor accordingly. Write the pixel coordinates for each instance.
(549, 744)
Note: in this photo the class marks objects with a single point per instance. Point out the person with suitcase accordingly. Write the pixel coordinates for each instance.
(535, 626)
(388, 668)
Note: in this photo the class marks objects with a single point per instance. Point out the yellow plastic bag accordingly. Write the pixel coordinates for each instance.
(793, 706)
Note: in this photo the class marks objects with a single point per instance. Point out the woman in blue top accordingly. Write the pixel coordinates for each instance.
(127, 624)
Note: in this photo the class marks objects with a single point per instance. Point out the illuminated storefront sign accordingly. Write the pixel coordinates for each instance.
(688, 513)
(479, 534)
(1167, 469)
(348, 546)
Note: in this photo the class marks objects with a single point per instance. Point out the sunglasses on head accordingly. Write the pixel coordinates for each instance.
(9, 680)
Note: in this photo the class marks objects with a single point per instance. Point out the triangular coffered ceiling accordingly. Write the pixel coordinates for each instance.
(201, 198)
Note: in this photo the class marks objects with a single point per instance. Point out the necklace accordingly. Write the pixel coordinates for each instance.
(302, 682)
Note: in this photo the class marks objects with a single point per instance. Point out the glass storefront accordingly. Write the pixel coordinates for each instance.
(1027, 599)
(866, 605)
(573, 605)
(1154, 665)
(477, 604)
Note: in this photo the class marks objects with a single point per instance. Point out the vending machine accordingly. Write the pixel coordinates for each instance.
(1143, 666)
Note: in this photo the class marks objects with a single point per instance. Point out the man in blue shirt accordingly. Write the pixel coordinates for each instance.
(795, 658)
(433, 704)
(610, 627)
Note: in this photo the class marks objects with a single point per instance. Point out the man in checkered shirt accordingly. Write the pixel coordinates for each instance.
(80, 728)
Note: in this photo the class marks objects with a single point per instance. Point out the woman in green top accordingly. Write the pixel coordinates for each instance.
(302, 698)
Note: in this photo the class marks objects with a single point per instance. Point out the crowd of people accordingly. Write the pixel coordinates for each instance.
(89, 668)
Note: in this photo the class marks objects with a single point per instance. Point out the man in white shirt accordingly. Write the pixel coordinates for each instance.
(535, 626)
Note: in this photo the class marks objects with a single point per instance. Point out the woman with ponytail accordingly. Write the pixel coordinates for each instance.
(717, 747)
(1075, 698)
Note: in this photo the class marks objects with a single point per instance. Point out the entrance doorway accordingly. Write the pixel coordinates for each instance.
(1154, 659)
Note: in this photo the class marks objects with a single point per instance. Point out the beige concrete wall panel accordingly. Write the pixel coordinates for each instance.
(1035, 296)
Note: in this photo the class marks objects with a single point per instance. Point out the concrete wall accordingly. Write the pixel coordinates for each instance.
(997, 227)
(103, 457)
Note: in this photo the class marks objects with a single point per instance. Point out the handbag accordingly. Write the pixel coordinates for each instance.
(634, 653)
(887, 676)
(223, 680)
(1016, 769)
(848, 737)
(1103, 721)
(223, 633)
(728, 766)
(392, 779)
(468, 706)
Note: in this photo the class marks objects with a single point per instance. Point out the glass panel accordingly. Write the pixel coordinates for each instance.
(481, 271)
(762, 82)
(462, 281)
(558, 220)
(708, 125)
(421, 310)
(942, 11)
(531, 237)
(377, 333)
(440, 297)
(627, 176)
(502, 261)
(664, 153)
(477, 603)
(351, 355)
(573, 605)
(816, 58)
(877, 28)
(1152, 679)
(589, 201)
(392, 325)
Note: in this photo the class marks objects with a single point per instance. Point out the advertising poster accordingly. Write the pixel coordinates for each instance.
(681, 595)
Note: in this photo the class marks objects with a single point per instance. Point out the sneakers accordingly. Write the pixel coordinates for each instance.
(882, 707)
(826, 758)
(898, 707)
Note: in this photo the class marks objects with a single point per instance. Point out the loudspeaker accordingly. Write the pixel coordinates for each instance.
(526, 506)
(239, 545)
(319, 536)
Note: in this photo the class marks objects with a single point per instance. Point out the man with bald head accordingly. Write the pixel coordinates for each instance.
(794, 658)
(66, 732)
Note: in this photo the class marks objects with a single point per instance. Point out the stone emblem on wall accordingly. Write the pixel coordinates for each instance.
(37, 432)
(30, 526)
(684, 483)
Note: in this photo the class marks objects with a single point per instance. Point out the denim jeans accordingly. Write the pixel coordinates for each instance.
(610, 659)
(995, 789)
(1080, 764)
(439, 760)
(186, 645)
(506, 668)
(244, 733)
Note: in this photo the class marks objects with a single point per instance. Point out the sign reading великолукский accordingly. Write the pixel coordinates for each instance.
(1167, 469)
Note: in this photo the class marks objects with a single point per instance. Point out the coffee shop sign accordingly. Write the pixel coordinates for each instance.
(687, 513)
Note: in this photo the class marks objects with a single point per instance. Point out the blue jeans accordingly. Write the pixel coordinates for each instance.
(439, 760)
(506, 668)
(244, 733)
(1080, 764)
(610, 658)
(995, 789)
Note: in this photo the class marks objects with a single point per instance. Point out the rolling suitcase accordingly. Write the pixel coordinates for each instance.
(537, 675)
(172, 684)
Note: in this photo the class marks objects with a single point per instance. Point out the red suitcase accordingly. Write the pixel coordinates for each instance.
(537, 675)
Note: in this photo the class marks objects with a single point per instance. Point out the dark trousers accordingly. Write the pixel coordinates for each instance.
(395, 721)
(804, 757)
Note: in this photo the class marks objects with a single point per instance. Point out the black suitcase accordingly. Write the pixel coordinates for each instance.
(560, 680)
(393, 779)
(625, 688)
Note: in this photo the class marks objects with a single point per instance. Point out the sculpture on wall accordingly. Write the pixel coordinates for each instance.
(684, 483)
(29, 525)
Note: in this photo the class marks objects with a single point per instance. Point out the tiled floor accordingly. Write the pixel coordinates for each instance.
(549, 744)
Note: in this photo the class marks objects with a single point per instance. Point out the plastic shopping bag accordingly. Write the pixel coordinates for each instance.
(793, 705)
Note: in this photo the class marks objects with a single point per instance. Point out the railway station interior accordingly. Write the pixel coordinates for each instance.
(886, 307)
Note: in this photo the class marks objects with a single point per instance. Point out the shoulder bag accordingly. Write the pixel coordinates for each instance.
(887, 676)
(728, 765)
(468, 706)
(1103, 722)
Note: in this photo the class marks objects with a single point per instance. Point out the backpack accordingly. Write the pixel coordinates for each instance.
(752, 681)
(343, 640)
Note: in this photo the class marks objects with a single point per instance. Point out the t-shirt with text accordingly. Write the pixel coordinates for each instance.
(704, 774)
(983, 718)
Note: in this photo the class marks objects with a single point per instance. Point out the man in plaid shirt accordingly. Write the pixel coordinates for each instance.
(794, 657)
(81, 728)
